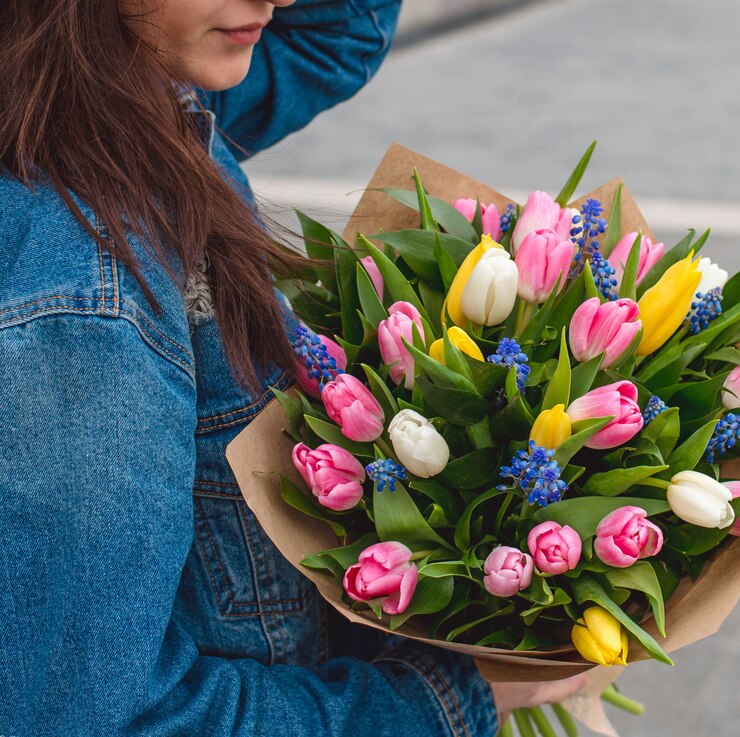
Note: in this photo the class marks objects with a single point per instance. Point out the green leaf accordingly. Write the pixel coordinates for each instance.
(628, 287)
(558, 598)
(330, 433)
(558, 390)
(586, 589)
(574, 179)
(589, 283)
(619, 480)
(370, 303)
(395, 282)
(440, 374)
(460, 407)
(692, 540)
(462, 531)
(381, 392)
(584, 431)
(690, 452)
(343, 557)
(641, 577)
(583, 514)
(320, 242)
(455, 359)
(583, 375)
(487, 377)
(433, 301)
(534, 328)
(728, 354)
(344, 264)
(427, 219)
(731, 292)
(447, 267)
(431, 595)
(293, 408)
(293, 496)
(438, 494)
(614, 231)
(473, 470)
(417, 249)
(697, 398)
(454, 222)
(398, 518)
(469, 625)
(478, 218)
(567, 304)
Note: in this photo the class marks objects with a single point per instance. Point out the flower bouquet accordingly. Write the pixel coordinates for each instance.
(508, 427)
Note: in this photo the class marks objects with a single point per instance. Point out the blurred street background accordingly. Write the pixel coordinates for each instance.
(512, 92)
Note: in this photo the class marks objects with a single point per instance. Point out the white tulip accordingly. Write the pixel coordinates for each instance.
(700, 500)
(417, 444)
(490, 292)
(712, 276)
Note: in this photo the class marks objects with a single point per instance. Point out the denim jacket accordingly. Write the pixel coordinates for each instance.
(138, 594)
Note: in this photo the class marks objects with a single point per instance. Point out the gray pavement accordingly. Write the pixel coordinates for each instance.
(514, 101)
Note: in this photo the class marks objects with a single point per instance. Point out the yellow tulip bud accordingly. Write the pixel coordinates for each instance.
(551, 427)
(454, 296)
(664, 306)
(600, 638)
(461, 340)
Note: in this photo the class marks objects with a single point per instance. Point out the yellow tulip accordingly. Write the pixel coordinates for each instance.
(600, 638)
(664, 306)
(454, 296)
(551, 427)
(461, 340)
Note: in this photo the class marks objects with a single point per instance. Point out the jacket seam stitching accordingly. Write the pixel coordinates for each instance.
(254, 404)
(435, 674)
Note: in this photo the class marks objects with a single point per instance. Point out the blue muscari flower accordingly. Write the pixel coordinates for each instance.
(603, 275)
(312, 353)
(726, 434)
(509, 354)
(704, 309)
(592, 225)
(385, 472)
(654, 407)
(537, 474)
(506, 218)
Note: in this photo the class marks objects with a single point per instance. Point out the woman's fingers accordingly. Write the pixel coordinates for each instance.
(509, 696)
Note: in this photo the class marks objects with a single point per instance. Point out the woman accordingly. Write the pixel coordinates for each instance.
(138, 335)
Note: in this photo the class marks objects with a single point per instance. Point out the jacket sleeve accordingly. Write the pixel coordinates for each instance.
(96, 469)
(311, 56)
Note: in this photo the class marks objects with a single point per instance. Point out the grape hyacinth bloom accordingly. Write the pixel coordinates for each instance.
(320, 359)
(704, 309)
(654, 407)
(510, 354)
(726, 434)
(506, 218)
(536, 474)
(592, 225)
(385, 473)
(603, 275)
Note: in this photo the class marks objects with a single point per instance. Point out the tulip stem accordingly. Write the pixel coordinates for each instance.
(523, 316)
(420, 554)
(387, 450)
(502, 511)
(612, 696)
(657, 483)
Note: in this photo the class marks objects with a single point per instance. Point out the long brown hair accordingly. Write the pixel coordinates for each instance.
(88, 103)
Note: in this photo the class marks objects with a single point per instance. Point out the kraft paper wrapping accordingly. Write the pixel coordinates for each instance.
(261, 452)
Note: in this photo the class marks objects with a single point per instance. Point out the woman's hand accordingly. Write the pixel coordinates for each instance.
(510, 696)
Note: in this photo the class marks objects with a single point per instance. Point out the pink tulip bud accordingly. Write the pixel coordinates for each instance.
(489, 216)
(374, 273)
(650, 254)
(610, 327)
(318, 363)
(626, 535)
(734, 487)
(555, 548)
(541, 213)
(619, 400)
(399, 324)
(383, 571)
(507, 570)
(332, 473)
(542, 257)
(731, 390)
(349, 403)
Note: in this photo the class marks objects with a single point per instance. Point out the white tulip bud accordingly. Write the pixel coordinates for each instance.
(417, 444)
(490, 292)
(700, 500)
(712, 276)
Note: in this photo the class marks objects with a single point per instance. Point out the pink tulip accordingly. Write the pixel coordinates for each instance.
(626, 535)
(310, 365)
(489, 216)
(374, 273)
(610, 327)
(332, 473)
(555, 548)
(731, 390)
(401, 318)
(542, 257)
(349, 403)
(541, 212)
(383, 570)
(507, 570)
(734, 487)
(650, 254)
(618, 399)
